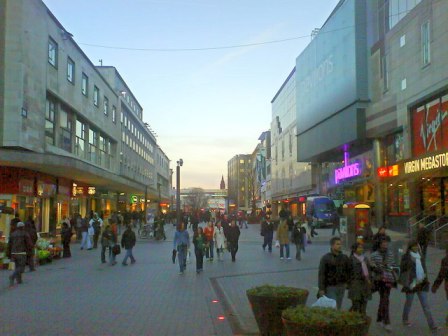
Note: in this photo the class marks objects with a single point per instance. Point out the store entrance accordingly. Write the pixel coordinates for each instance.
(434, 196)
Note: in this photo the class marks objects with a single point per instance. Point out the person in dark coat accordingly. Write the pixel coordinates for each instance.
(442, 276)
(423, 237)
(128, 241)
(233, 235)
(359, 283)
(66, 236)
(334, 272)
(297, 235)
(108, 240)
(414, 278)
(30, 228)
(267, 231)
(379, 237)
(19, 246)
(13, 223)
(199, 242)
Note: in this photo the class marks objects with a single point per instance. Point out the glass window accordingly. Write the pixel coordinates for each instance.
(70, 70)
(121, 117)
(49, 121)
(426, 54)
(80, 136)
(106, 106)
(85, 85)
(93, 137)
(96, 96)
(114, 114)
(52, 52)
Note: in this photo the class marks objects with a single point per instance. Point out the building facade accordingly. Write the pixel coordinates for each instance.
(290, 180)
(63, 142)
(238, 173)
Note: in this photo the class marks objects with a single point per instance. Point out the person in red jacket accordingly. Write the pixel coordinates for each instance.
(209, 232)
(443, 276)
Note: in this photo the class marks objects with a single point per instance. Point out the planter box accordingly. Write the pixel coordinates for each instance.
(268, 311)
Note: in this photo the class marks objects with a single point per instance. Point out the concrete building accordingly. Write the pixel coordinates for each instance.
(64, 144)
(291, 181)
(238, 173)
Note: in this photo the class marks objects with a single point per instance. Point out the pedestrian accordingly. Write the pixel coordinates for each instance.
(128, 241)
(96, 223)
(423, 237)
(334, 272)
(13, 223)
(66, 236)
(382, 261)
(359, 283)
(367, 237)
(18, 247)
(313, 224)
(30, 228)
(220, 240)
(267, 231)
(209, 232)
(335, 225)
(199, 242)
(120, 220)
(414, 278)
(283, 238)
(78, 225)
(442, 276)
(379, 237)
(233, 235)
(108, 240)
(298, 234)
(86, 242)
(181, 244)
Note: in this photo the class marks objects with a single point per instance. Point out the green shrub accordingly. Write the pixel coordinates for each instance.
(318, 316)
(276, 291)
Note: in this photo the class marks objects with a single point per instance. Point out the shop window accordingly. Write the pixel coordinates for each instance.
(398, 199)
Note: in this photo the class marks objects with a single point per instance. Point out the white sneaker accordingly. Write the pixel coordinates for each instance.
(289, 258)
(281, 258)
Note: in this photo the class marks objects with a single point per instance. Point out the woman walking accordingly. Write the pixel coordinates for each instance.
(359, 284)
(267, 231)
(283, 239)
(413, 277)
(220, 241)
(181, 244)
(298, 233)
(108, 240)
(384, 279)
(233, 235)
(209, 233)
(199, 242)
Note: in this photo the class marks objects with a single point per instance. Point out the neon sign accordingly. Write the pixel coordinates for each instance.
(346, 172)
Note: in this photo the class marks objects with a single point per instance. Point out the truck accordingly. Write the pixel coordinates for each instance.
(321, 211)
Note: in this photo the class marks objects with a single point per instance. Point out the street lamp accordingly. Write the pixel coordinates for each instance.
(178, 214)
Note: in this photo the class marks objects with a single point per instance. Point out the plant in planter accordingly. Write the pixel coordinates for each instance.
(317, 321)
(267, 303)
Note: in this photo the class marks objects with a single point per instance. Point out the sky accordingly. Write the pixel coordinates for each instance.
(206, 106)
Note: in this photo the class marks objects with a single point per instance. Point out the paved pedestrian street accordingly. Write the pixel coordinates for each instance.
(81, 296)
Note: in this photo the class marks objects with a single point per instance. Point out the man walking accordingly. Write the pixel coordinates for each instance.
(96, 222)
(19, 246)
(267, 231)
(128, 242)
(334, 272)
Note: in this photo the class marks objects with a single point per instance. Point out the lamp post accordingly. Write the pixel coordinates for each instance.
(178, 214)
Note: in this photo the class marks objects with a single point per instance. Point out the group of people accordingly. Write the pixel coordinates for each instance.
(363, 276)
(220, 235)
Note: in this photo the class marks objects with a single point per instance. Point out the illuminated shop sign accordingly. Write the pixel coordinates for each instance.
(388, 171)
(426, 163)
(347, 171)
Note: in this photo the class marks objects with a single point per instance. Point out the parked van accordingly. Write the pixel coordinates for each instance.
(321, 211)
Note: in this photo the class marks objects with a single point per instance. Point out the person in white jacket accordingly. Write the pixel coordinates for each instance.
(220, 241)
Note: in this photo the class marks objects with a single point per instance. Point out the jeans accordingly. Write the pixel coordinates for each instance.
(103, 254)
(19, 261)
(267, 242)
(209, 250)
(423, 297)
(286, 246)
(182, 257)
(383, 308)
(336, 293)
(128, 255)
(199, 259)
(86, 242)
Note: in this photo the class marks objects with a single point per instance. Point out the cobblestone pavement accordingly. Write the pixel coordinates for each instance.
(81, 296)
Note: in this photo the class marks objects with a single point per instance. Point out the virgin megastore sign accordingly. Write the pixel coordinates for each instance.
(426, 163)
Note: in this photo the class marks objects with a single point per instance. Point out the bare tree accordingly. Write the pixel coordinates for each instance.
(253, 188)
(196, 199)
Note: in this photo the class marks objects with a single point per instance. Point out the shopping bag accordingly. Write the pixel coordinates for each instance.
(277, 243)
(12, 266)
(325, 302)
(116, 249)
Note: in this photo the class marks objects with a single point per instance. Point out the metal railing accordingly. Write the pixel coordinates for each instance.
(439, 228)
(412, 223)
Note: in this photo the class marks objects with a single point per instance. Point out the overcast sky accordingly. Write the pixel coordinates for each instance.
(205, 105)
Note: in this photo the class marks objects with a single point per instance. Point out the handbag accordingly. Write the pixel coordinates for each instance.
(116, 249)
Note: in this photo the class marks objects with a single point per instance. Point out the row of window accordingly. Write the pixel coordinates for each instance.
(71, 71)
(138, 149)
(127, 124)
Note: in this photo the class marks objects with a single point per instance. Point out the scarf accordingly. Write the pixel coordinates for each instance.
(362, 260)
(420, 272)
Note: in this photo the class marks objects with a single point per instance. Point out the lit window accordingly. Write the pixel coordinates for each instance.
(70, 70)
(52, 52)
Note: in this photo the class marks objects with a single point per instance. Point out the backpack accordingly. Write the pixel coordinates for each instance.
(96, 226)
